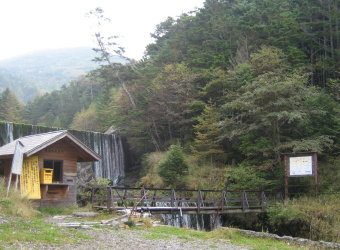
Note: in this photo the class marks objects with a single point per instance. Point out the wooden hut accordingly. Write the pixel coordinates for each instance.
(49, 166)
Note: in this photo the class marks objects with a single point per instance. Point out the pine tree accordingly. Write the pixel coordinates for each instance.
(174, 169)
(10, 107)
(206, 146)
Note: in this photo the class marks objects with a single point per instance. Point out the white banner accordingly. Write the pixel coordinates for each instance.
(18, 158)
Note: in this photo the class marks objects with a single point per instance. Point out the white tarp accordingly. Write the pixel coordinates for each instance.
(301, 165)
(18, 158)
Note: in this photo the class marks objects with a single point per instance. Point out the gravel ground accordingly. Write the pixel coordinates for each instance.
(131, 239)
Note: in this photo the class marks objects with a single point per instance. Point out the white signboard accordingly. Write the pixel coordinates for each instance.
(300, 165)
(18, 158)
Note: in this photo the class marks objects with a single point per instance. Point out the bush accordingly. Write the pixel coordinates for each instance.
(244, 177)
(316, 218)
(174, 170)
(150, 171)
(206, 175)
(84, 193)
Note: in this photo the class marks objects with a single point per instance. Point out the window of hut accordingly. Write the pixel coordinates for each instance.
(57, 167)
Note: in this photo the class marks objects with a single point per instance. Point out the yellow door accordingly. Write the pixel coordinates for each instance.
(29, 179)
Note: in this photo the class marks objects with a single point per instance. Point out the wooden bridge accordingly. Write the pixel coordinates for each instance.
(183, 201)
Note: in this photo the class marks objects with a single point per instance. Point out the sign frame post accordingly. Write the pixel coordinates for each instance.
(16, 166)
(300, 165)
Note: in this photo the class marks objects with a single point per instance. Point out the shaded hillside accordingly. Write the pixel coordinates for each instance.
(24, 89)
(44, 70)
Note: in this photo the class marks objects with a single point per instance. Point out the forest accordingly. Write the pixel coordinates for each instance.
(219, 96)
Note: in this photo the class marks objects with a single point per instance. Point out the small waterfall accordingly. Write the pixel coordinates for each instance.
(108, 146)
(196, 221)
(9, 132)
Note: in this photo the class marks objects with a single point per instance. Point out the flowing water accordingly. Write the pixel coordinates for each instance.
(109, 147)
(196, 221)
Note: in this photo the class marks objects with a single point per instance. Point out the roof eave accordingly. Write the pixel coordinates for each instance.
(93, 155)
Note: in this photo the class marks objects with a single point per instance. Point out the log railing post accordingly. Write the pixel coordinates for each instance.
(172, 198)
(180, 199)
(222, 200)
(109, 198)
(153, 204)
(198, 201)
(142, 196)
(263, 200)
(245, 203)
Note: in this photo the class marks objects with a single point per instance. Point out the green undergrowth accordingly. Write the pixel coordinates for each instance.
(52, 211)
(316, 218)
(14, 204)
(18, 230)
(228, 234)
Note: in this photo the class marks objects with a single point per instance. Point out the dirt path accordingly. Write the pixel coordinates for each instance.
(131, 239)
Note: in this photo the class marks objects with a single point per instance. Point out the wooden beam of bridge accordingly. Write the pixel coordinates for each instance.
(183, 201)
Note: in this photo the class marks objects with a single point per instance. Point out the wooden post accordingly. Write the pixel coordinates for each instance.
(316, 176)
(222, 200)
(109, 198)
(263, 200)
(153, 204)
(198, 201)
(9, 183)
(172, 198)
(143, 196)
(180, 199)
(204, 198)
(244, 200)
(286, 177)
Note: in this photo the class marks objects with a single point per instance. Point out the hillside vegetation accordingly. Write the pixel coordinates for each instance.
(234, 85)
(44, 71)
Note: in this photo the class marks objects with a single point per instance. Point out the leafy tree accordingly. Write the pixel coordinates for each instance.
(86, 120)
(174, 169)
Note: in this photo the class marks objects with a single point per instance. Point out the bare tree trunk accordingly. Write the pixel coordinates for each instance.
(108, 60)
(156, 131)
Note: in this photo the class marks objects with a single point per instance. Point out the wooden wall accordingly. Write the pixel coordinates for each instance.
(55, 196)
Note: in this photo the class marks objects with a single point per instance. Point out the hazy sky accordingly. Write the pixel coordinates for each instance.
(29, 25)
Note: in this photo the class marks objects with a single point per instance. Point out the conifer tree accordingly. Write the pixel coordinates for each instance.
(10, 107)
(206, 146)
(174, 169)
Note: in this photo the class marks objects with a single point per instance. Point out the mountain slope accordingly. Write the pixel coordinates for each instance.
(45, 70)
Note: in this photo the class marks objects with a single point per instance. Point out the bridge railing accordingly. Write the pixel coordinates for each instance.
(124, 197)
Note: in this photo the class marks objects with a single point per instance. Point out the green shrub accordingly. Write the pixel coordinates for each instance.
(130, 223)
(84, 193)
(174, 170)
(316, 218)
(245, 177)
(150, 170)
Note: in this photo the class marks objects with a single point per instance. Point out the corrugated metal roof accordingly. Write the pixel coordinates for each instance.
(35, 143)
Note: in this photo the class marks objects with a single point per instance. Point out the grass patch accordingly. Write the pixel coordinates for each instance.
(37, 231)
(316, 218)
(14, 204)
(57, 210)
(228, 234)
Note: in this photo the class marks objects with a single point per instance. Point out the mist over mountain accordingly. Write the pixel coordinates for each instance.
(45, 71)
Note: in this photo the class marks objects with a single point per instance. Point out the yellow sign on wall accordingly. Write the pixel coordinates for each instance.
(29, 179)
